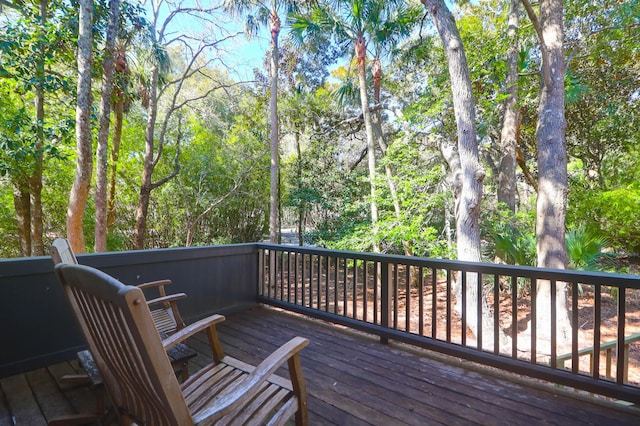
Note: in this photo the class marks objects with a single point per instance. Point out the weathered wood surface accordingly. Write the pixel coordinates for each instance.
(351, 380)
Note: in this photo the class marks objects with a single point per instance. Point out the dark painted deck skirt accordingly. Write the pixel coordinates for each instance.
(352, 379)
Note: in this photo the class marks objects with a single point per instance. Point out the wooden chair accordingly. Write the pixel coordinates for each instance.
(166, 318)
(131, 357)
(164, 308)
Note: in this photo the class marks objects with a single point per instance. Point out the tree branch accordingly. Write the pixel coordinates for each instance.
(219, 201)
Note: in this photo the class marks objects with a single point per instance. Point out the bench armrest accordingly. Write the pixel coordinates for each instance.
(243, 391)
(150, 284)
(185, 333)
(166, 299)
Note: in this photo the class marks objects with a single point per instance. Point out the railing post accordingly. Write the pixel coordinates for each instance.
(385, 298)
(261, 271)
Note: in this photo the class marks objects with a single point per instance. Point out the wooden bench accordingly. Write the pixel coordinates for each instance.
(608, 347)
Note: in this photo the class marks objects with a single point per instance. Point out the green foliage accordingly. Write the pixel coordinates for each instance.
(610, 215)
(584, 249)
(510, 237)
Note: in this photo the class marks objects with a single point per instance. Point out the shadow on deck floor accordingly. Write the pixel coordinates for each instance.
(352, 379)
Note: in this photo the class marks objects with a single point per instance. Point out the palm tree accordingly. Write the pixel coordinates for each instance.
(353, 23)
(260, 13)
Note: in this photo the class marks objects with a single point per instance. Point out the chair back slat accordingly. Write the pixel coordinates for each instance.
(122, 337)
(61, 252)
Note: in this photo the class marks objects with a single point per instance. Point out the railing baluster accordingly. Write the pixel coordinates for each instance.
(534, 321)
(421, 301)
(261, 273)
(385, 297)
(407, 284)
(575, 360)
(434, 303)
(554, 319)
(514, 316)
(496, 314)
(336, 272)
(463, 327)
(355, 289)
(319, 283)
(281, 275)
(479, 310)
(345, 303)
(365, 290)
(376, 294)
(304, 279)
(597, 319)
(621, 350)
(448, 321)
(326, 287)
(394, 298)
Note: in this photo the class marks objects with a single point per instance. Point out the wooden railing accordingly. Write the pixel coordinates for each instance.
(412, 300)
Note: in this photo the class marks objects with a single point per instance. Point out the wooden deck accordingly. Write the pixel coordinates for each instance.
(351, 380)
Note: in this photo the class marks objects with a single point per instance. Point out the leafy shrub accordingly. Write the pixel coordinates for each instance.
(584, 249)
(510, 237)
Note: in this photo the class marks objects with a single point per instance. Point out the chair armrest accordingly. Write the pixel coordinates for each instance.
(167, 299)
(185, 333)
(247, 388)
(150, 284)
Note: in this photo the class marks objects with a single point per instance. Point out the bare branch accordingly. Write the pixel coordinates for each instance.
(219, 201)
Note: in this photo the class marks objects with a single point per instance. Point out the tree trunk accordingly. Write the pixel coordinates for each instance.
(361, 54)
(273, 114)
(301, 204)
(35, 180)
(553, 185)
(22, 203)
(471, 175)
(147, 170)
(121, 68)
(508, 135)
(80, 189)
(118, 113)
(378, 134)
(100, 243)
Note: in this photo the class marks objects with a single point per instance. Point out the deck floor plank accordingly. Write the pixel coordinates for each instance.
(490, 391)
(81, 397)
(47, 393)
(378, 372)
(461, 395)
(5, 414)
(22, 402)
(476, 390)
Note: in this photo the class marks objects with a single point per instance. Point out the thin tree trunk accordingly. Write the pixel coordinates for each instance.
(121, 69)
(471, 172)
(147, 170)
(361, 54)
(22, 203)
(80, 189)
(378, 134)
(118, 113)
(508, 135)
(552, 169)
(301, 204)
(273, 114)
(100, 243)
(35, 180)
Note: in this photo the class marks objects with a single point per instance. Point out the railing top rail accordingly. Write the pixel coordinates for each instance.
(572, 276)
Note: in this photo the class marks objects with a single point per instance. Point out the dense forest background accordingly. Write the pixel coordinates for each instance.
(196, 140)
